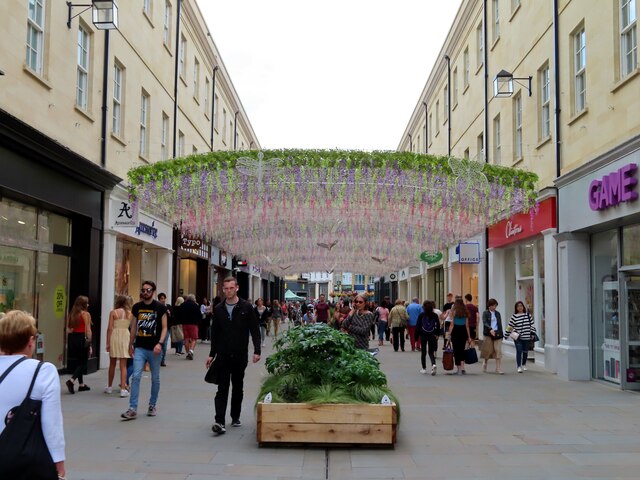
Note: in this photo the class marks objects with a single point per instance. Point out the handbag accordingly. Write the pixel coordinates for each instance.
(23, 451)
(447, 357)
(470, 356)
(213, 372)
(514, 335)
(176, 333)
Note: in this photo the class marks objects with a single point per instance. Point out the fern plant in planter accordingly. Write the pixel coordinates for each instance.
(318, 377)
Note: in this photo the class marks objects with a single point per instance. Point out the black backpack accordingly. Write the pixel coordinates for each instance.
(430, 324)
(24, 454)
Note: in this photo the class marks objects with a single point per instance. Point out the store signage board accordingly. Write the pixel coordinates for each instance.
(124, 213)
(523, 225)
(190, 242)
(614, 188)
(469, 252)
(431, 258)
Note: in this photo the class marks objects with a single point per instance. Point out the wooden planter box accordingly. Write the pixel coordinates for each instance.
(326, 424)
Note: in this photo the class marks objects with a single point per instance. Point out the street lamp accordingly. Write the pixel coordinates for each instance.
(104, 13)
(503, 84)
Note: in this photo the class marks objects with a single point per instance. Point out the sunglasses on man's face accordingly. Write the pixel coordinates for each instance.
(146, 290)
(358, 301)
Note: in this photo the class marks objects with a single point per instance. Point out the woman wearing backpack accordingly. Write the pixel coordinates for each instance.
(427, 331)
(18, 343)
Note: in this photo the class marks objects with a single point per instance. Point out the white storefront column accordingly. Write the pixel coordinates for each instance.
(550, 300)
(497, 280)
(165, 273)
(573, 356)
(110, 240)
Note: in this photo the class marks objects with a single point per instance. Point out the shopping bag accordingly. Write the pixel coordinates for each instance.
(470, 356)
(447, 357)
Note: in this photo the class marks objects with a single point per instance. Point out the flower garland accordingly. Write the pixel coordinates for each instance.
(291, 211)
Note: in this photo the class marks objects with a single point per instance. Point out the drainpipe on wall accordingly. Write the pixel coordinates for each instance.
(486, 136)
(105, 109)
(175, 78)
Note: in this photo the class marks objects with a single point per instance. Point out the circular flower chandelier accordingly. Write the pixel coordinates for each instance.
(293, 211)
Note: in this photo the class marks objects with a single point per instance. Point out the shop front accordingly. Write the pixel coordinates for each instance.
(50, 230)
(600, 221)
(137, 247)
(192, 266)
(519, 266)
(220, 269)
(464, 268)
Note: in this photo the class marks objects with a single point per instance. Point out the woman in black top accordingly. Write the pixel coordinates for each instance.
(427, 330)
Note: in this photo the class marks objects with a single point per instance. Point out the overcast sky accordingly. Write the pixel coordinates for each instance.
(331, 73)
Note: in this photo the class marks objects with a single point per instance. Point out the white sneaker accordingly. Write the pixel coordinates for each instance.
(519, 369)
(433, 370)
(124, 393)
(524, 368)
(108, 390)
(423, 371)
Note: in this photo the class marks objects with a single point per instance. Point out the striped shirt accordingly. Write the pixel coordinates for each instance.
(523, 324)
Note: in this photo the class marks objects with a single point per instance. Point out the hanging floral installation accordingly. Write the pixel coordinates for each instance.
(292, 211)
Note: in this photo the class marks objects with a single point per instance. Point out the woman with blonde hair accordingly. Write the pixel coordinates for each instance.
(18, 343)
(79, 342)
(118, 337)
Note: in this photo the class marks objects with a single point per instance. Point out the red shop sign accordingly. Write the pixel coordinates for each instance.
(522, 225)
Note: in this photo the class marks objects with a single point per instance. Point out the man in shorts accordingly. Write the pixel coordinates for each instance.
(190, 314)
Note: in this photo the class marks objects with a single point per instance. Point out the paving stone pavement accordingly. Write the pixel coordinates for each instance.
(479, 426)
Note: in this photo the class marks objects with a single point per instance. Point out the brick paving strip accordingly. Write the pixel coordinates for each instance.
(479, 426)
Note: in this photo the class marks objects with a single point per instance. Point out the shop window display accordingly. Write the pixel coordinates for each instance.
(605, 306)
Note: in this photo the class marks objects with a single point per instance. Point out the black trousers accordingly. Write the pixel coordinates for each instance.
(398, 334)
(78, 355)
(231, 373)
(459, 340)
(430, 341)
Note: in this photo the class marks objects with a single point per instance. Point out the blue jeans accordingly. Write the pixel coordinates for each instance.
(164, 348)
(140, 357)
(522, 351)
(382, 327)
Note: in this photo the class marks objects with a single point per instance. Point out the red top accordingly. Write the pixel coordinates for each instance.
(80, 326)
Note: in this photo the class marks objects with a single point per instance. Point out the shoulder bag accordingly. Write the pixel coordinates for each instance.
(447, 357)
(213, 372)
(23, 451)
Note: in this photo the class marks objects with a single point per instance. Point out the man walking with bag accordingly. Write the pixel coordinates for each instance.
(233, 321)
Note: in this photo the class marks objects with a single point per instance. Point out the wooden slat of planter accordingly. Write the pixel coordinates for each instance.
(358, 413)
(323, 433)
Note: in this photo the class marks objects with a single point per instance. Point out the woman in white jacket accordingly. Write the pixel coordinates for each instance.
(18, 340)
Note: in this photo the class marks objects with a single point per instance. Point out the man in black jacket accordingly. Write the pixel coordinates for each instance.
(233, 320)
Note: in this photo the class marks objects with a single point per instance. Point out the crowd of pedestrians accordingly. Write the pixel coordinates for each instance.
(138, 338)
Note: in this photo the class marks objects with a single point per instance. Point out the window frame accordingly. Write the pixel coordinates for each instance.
(207, 87)
(455, 87)
(628, 38)
(196, 79)
(182, 57)
(497, 140)
(437, 117)
(83, 46)
(544, 105)
(579, 48)
(479, 46)
(181, 143)
(517, 126)
(166, 24)
(145, 108)
(117, 99)
(164, 136)
(38, 29)
(466, 67)
(495, 31)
